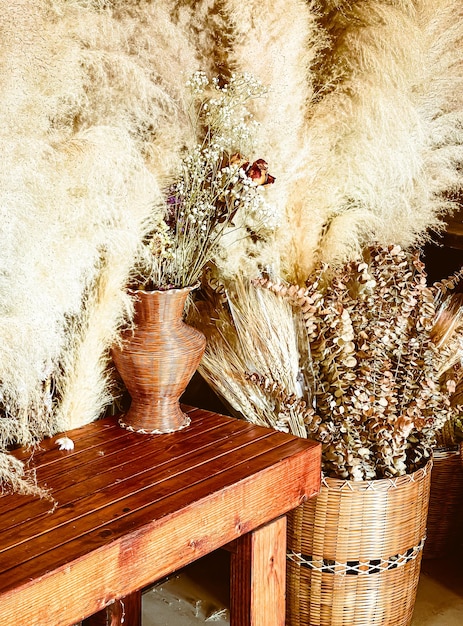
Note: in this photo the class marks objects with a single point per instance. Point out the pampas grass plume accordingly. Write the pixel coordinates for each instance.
(277, 42)
(385, 128)
(92, 122)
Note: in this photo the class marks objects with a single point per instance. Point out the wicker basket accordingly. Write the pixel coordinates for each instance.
(445, 502)
(354, 552)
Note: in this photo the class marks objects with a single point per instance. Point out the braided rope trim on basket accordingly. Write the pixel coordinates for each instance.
(143, 431)
(355, 568)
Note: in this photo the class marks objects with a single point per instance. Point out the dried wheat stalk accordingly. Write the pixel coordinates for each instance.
(253, 355)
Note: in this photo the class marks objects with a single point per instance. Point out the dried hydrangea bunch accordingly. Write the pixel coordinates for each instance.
(216, 193)
(377, 371)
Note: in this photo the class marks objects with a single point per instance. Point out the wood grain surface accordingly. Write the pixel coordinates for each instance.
(132, 508)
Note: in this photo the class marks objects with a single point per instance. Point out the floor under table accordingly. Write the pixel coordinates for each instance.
(198, 594)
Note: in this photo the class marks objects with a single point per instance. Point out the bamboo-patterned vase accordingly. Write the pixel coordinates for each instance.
(156, 361)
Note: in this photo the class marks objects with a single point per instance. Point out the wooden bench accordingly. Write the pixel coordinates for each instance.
(131, 509)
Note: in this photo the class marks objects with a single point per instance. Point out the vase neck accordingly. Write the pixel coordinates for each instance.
(155, 307)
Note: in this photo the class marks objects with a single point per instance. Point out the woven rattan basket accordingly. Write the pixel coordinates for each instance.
(445, 502)
(354, 552)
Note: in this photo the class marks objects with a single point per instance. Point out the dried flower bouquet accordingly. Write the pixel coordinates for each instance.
(378, 372)
(216, 193)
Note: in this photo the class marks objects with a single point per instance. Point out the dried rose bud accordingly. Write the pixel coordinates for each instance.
(258, 173)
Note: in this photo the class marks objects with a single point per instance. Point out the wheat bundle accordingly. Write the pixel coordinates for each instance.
(255, 355)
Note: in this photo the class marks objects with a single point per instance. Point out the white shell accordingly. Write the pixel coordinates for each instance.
(64, 443)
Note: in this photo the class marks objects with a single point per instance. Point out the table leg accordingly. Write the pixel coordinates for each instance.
(123, 612)
(258, 577)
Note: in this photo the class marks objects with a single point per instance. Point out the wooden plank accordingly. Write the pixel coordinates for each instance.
(97, 444)
(96, 433)
(47, 452)
(156, 548)
(94, 531)
(108, 465)
(258, 577)
(100, 433)
(26, 542)
(132, 445)
(117, 531)
(90, 501)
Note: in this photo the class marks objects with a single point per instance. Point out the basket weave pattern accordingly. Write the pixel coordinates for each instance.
(354, 552)
(445, 502)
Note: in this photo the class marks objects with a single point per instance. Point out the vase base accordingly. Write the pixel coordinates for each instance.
(154, 431)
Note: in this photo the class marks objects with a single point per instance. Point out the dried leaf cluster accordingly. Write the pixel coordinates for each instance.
(380, 388)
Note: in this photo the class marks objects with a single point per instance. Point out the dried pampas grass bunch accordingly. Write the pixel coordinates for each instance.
(91, 122)
(447, 335)
(276, 42)
(385, 129)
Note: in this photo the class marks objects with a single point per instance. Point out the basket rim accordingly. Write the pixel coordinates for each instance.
(444, 452)
(376, 484)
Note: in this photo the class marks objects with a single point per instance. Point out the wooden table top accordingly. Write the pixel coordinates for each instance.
(132, 508)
